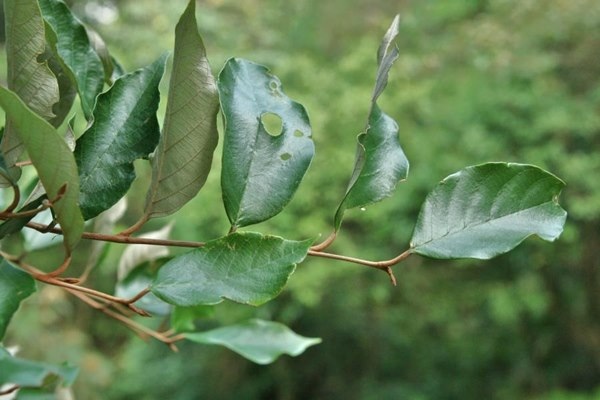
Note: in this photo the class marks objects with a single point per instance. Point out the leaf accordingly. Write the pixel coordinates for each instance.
(53, 161)
(101, 49)
(486, 210)
(183, 158)
(246, 267)
(76, 51)
(182, 318)
(259, 341)
(125, 129)
(8, 175)
(66, 80)
(30, 79)
(27, 373)
(380, 161)
(14, 225)
(260, 172)
(15, 286)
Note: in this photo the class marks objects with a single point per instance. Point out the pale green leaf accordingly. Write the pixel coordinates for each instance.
(244, 267)
(53, 161)
(30, 79)
(125, 129)
(488, 209)
(259, 341)
(380, 161)
(261, 172)
(184, 154)
(15, 286)
(76, 51)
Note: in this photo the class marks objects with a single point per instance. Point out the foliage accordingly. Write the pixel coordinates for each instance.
(252, 194)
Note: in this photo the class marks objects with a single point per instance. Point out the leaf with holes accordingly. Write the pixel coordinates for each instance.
(54, 163)
(488, 209)
(15, 286)
(29, 78)
(248, 268)
(125, 129)
(259, 341)
(380, 161)
(260, 172)
(184, 154)
(76, 51)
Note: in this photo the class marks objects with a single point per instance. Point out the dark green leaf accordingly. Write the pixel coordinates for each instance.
(380, 161)
(8, 175)
(15, 286)
(66, 80)
(182, 318)
(30, 79)
(100, 48)
(244, 267)
(259, 341)
(486, 210)
(260, 171)
(76, 51)
(14, 225)
(27, 373)
(53, 161)
(183, 158)
(125, 129)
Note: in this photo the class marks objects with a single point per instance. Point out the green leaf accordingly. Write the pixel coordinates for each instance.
(183, 158)
(27, 373)
(15, 286)
(380, 161)
(65, 78)
(244, 267)
(260, 171)
(76, 51)
(53, 161)
(182, 318)
(8, 175)
(30, 79)
(125, 129)
(488, 209)
(259, 341)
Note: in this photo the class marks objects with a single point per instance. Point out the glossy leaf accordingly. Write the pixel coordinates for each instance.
(486, 210)
(53, 161)
(184, 154)
(125, 129)
(244, 267)
(30, 79)
(76, 51)
(27, 373)
(260, 172)
(259, 341)
(380, 161)
(15, 286)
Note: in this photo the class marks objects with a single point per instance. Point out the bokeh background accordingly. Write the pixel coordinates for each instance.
(477, 81)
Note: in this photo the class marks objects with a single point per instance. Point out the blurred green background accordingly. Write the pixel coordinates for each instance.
(477, 81)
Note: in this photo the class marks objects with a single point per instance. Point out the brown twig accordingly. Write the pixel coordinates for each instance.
(326, 243)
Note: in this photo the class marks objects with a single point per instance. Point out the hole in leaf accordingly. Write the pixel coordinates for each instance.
(285, 156)
(297, 133)
(273, 85)
(273, 123)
